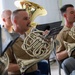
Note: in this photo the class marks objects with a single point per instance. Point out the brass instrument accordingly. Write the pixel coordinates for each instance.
(34, 44)
(70, 46)
(37, 47)
(72, 32)
(4, 63)
(33, 10)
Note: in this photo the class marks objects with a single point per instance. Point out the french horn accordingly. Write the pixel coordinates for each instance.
(70, 47)
(37, 47)
(72, 32)
(34, 44)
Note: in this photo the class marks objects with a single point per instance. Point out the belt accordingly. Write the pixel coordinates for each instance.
(11, 73)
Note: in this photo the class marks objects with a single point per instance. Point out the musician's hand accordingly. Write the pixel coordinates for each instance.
(45, 32)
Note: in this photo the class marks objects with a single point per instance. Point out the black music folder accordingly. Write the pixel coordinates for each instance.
(48, 26)
(6, 39)
(54, 31)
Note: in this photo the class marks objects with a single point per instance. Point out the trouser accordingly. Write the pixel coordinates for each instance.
(68, 65)
(5, 73)
(73, 73)
(43, 67)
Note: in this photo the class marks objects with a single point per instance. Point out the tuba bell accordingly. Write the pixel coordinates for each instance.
(33, 9)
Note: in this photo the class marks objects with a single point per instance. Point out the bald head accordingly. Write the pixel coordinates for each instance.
(6, 13)
(6, 18)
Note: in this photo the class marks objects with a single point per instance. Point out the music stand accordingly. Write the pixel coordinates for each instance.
(54, 31)
(48, 26)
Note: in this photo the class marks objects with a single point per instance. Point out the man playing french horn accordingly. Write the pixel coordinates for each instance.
(27, 63)
(66, 39)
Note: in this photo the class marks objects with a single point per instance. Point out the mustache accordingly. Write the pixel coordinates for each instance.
(28, 25)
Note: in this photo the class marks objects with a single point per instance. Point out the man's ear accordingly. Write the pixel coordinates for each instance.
(15, 21)
(64, 15)
(3, 19)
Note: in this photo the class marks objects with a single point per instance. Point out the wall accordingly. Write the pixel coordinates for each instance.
(68, 2)
(6, 4)
(50, 5)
